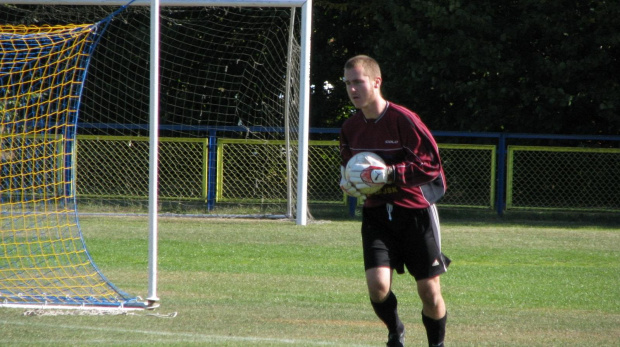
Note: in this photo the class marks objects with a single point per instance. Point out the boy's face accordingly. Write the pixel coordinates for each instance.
(361, 88)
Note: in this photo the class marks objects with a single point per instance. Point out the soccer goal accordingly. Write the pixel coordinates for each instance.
(210, 69)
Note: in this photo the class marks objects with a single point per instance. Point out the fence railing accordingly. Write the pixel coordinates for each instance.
(492, 175)
(505, 190)
(563, 178)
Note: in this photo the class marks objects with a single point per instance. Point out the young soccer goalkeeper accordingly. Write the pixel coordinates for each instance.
(400, 226)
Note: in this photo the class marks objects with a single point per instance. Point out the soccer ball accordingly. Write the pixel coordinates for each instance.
(358, 171)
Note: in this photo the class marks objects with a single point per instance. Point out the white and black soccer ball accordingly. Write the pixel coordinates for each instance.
(359, 164)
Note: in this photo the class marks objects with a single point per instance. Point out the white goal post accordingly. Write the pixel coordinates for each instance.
(304, 91)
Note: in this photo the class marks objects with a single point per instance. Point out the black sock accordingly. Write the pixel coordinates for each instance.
(387, 311)
(435, 330)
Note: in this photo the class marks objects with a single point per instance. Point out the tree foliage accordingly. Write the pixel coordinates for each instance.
(517, 66)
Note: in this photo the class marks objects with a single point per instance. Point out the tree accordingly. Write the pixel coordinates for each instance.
(517, 66)
(340, 30)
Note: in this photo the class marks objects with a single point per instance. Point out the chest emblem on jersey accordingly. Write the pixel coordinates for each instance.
(392, 142)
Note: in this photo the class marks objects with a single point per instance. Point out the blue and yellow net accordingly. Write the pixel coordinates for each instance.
(43, 257)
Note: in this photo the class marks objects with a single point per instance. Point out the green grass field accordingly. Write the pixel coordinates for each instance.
(272, 283)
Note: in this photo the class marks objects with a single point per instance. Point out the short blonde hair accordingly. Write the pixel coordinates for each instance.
(370, 65)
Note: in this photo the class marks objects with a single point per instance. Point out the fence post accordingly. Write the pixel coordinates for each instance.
(352, 203)
(501, 173)
(211, 170)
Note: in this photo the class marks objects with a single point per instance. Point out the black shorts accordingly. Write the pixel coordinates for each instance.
(403, 237)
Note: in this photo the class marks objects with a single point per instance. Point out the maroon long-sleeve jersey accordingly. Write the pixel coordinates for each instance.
(402, 140)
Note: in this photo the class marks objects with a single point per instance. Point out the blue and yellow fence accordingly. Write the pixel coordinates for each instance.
(495, 175)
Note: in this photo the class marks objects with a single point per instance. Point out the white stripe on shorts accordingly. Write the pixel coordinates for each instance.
(434, 215)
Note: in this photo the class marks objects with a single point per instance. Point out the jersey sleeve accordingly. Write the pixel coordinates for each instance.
(422, 164)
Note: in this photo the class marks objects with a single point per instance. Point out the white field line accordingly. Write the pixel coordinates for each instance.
(177, 336)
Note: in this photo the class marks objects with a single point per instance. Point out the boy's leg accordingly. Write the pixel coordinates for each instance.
(434, 314)
(383, 301)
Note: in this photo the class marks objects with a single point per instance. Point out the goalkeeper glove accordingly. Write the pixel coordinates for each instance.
(372, 175)
(347, 187)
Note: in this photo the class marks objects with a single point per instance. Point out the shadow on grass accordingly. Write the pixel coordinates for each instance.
(464, 215)
(341, 212)
(543, 218)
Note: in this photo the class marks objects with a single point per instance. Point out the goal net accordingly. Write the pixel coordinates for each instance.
(225, 73)
(43, 259)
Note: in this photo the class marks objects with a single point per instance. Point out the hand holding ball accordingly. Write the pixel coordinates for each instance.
(367, 172)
